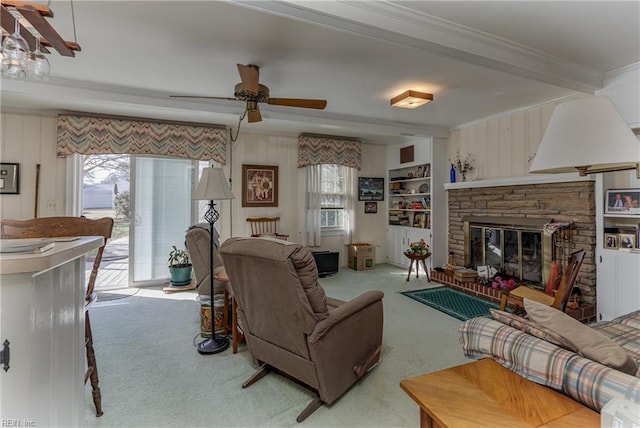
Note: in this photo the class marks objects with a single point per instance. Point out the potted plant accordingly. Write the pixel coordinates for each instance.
(179, 266)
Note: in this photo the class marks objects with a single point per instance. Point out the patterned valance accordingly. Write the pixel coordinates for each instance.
(92, 135)
(321, 149)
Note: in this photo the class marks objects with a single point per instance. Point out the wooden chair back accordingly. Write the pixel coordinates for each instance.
(568, 280)
(261, 226)
(62, 227)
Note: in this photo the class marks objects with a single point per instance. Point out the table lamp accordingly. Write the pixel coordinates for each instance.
(213, 186)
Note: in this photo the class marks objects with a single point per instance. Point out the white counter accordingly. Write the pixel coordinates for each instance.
(42, 317)
(62, 252)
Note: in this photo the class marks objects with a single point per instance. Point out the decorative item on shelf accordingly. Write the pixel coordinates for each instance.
(462, 166)
(452, 174)
(418, 248)
(623, 201)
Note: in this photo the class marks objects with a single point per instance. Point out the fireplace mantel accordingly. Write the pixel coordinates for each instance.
(516, 181)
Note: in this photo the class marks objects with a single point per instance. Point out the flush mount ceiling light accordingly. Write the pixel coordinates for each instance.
(411, 99)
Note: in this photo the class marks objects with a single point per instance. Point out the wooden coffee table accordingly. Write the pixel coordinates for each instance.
(485, 394)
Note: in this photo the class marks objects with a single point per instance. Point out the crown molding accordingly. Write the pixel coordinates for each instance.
(401, 25)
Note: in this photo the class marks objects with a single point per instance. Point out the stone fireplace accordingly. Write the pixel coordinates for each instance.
(519, 209)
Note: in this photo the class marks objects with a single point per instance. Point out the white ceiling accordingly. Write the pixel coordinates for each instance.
(478, 58)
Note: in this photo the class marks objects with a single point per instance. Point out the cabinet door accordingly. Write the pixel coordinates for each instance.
(607, 290)
(618, 290)
(396, 244)
(628, 282)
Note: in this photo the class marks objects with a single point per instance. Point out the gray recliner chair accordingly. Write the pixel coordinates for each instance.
(291, 326)
(197, 243)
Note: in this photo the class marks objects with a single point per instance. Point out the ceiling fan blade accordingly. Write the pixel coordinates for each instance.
(203, 97)
(254, 115)
(298, 102)
(249, 75)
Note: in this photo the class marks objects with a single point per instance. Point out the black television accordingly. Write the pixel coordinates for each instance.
(327, 262)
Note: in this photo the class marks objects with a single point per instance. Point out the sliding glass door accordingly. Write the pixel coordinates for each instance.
(162, 211)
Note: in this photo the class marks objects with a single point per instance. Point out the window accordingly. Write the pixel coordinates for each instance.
(332, 197)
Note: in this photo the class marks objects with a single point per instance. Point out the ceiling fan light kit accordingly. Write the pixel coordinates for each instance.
(28, 36)
(411, 99)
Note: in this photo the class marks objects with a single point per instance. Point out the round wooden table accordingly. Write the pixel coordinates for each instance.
(417, 258)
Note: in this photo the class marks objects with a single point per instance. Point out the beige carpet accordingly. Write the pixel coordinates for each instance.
(152, 375)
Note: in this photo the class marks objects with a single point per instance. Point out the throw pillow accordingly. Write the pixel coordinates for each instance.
(532, 328)
(590, 343)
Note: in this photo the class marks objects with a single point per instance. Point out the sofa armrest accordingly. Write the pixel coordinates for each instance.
(343, 312)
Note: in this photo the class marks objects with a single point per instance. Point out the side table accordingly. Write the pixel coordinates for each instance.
(485, 394)
(417, 258)
(236, 335)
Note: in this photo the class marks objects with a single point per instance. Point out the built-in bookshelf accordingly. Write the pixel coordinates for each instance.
(410, 196)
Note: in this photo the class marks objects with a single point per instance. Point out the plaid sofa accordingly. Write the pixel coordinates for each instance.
(584, 380)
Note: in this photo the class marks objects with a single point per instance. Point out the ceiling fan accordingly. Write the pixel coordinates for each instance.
(252, 92)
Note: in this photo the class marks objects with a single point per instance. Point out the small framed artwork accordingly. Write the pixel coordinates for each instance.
(623, 201)
(370, 189)
(9, 178)
(611, 241)
(259, 185)
(370, 207)
(627, 241)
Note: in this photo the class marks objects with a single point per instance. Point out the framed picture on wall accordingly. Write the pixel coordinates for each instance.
(623, 201)
(259, 185)
(370, 189)
(370, 207)
(9, 178)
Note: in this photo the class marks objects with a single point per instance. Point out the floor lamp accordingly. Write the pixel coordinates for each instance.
(213, 185)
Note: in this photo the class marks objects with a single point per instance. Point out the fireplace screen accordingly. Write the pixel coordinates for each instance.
(516, 252)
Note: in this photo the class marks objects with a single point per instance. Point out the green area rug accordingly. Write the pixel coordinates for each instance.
(455, 303)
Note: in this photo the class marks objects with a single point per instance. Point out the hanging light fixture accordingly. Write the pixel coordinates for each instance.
(29, 35)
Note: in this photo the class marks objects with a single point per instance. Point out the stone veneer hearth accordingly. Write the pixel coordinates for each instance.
(561, 202)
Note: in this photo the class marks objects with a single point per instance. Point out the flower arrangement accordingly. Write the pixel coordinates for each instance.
(418, 248)
(463, 166)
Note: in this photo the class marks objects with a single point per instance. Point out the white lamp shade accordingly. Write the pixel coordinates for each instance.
(587, 134)
(213, 185)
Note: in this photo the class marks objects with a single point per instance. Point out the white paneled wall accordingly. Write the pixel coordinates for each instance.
(372, 228)
(30, 140)
(262, 149)
(502, 146)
